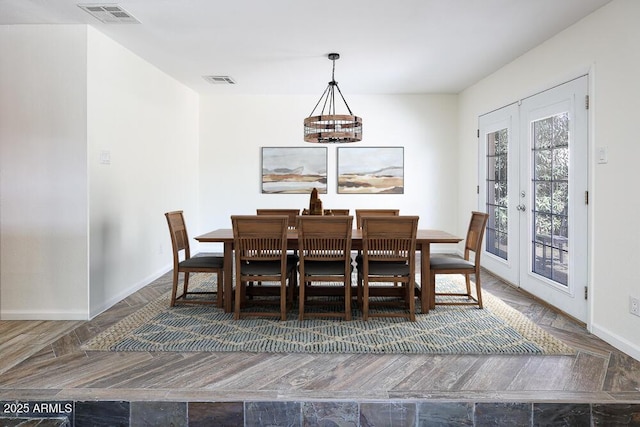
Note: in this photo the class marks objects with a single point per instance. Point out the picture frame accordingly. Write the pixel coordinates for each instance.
(371, 170)
(294, 170)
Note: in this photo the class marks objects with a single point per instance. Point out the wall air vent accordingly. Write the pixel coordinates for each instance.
(109, 13)
(220, 80)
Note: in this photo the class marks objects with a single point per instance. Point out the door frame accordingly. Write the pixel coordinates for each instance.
(589, 148)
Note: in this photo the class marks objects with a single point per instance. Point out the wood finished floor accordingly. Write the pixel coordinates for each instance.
(43, 360)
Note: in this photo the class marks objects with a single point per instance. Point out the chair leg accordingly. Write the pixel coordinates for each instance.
(243, 291)
(478, 290)
(238, 299)
(365, 300)
(293, 286)
(407, 297)
(467, 279)
(347, 297)
(412, 302)
(185, 285)
(174, 289)
(283, 299)
(244, 295)
(301, 296)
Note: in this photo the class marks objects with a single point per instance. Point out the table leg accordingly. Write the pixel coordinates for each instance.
(425, 274)
(228, 277)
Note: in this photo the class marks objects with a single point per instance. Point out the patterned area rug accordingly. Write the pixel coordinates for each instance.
(497, 329)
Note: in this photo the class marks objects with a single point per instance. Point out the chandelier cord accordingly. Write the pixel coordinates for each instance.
(333, 71)
(321, 97)
(344, 100)
(332, 102)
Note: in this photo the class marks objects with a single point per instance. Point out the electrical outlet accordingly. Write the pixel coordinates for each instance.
(634, 306)
(602, 155)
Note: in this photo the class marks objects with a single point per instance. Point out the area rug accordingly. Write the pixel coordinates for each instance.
(496, 329)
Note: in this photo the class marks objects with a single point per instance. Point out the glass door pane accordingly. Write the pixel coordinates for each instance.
(497, 203)
(550, 183)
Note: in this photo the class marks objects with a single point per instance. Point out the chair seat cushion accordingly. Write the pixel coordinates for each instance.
(448, 262)
(264, 268)
(324, 268)
(203, 262)
(383, 268)
(360, 258)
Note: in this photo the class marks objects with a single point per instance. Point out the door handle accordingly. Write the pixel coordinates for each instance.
(521, 208)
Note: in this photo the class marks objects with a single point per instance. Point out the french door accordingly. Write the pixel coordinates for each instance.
(533, 166)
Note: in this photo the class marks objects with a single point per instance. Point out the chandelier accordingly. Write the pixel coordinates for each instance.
(329, 127)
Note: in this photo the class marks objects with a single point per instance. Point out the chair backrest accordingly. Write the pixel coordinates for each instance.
(179, 236)
(475, 233)
(260, 237)
(390, 238)
(361, 213)
(290, 213)
(336, 212)
(324, 238)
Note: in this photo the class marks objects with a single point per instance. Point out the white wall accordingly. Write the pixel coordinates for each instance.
(77, 235)
(148, 123)
(605, 44)
(234, 128)
(43, 172)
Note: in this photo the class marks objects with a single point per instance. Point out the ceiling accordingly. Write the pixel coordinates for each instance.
(281, 46)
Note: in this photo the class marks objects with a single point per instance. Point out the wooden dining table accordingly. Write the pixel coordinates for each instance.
(424, 239)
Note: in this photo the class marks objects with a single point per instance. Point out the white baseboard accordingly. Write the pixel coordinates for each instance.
(105, 305)
(622, 344)
(43, 315)
(83, 315)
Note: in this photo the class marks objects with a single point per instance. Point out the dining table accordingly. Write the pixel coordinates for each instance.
(424, 239)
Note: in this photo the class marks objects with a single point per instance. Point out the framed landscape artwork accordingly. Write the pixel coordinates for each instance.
(371, 170)
(294, 170)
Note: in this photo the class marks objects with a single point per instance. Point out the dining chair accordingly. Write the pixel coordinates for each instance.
(336, 212)
(197, 264)
(324, 246)
(291, 214)
(260, 243)
(388, 256)
(441, 264)
(361, 213)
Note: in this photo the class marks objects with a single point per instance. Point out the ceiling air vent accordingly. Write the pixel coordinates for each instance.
(109, 13)
(220, 80)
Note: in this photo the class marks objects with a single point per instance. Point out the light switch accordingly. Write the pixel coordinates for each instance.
(105, 157)
(602, 155)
